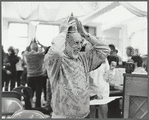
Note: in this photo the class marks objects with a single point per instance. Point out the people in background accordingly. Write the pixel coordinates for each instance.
(139, 69)
(10, 64)
(99, 88)
(19, 68)
(23, 81)
(112, 49)
(45, 76)
(68, 70)
(113, 52)
(47, 87)
(34, 62)
(110, 74)
(129, 53)
(5, 72)
(144, 64)
(136, 52)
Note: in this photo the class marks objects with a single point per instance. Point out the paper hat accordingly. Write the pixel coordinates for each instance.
(72, 29)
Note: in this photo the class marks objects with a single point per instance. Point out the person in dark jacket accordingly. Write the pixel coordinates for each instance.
(10, 61)
(4, 72)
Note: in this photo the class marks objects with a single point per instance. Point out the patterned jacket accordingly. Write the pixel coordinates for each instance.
(70, 78)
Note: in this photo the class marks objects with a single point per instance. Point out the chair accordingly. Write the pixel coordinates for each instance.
(28, 114)
(11, 94)
(135, 98)
(21, 88)
(26, 92)
(10, 105)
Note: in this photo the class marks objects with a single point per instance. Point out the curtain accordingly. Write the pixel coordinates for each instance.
(133, 9)
(49, 12)
(35, 12)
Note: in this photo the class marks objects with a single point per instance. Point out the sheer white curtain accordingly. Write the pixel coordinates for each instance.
(50, 11)
(137, 8)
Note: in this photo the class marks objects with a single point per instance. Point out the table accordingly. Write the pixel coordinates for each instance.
(104, 101)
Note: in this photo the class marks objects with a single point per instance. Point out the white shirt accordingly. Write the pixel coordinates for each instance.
(98, 85)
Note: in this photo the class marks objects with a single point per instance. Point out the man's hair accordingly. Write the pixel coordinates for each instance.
(112, 47)
(137, 59)
(113, 58)
(11, 48)
(131, 49)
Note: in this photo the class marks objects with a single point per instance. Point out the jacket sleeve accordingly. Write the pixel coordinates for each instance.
(96, 52)
(54, 56)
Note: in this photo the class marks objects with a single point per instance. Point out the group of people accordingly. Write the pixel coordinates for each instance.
(20, 71)
(75, 72)
(11, 68)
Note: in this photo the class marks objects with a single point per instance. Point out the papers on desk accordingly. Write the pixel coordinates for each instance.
(103, 101)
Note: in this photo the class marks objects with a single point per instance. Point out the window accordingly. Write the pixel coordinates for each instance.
(45, 33)
(91, 30)
(18, 30)
(17, 36)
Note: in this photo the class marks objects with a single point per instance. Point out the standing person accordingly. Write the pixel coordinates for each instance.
(129, 53)
(114, 110)
(5, 72)
(10, 64)
(34, 62)
(19, 68)
(23, 81)
(112, 49)
(45, 76)
(99, 88)
(113, 53)
(69, 69)
(110, 74)
(47, 87)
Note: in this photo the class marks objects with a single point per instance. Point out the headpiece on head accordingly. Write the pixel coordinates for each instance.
(74, 35)
(72, 29)
(34, 46)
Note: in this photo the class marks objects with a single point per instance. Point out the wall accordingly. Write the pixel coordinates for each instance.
(113, 36)
(137, 34)
(21, 44)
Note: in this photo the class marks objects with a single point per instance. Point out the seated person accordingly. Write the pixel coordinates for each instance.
(111, 74)
(139, 69)
(113, 57)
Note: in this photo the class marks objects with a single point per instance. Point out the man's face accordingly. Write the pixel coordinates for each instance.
(113, 65)
(9, 52)
(74, 44)
(16, 51)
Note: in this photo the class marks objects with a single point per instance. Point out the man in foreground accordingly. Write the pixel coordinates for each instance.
(69, 69)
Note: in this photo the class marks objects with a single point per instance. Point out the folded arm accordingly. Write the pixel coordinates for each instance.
(96, 52)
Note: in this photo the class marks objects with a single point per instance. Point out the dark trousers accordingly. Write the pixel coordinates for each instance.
(12, 79)
(5, 79)
(36, 85)
(18, 77)
(24, 77)
(44, 85)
